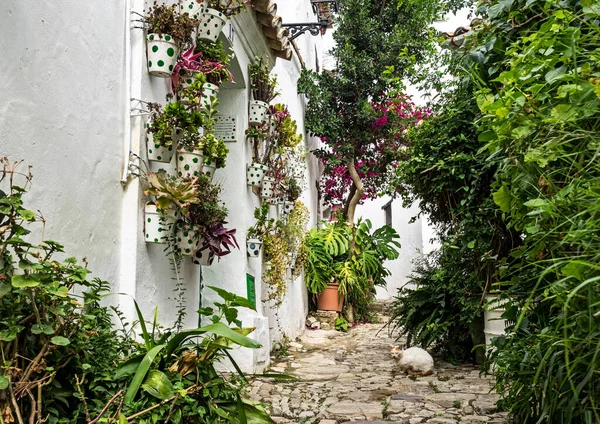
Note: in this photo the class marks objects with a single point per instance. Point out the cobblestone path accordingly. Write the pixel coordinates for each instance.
(350, 377)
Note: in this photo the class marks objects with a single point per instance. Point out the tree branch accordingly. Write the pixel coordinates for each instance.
(360, 190)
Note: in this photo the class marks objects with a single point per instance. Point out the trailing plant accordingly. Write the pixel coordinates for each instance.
(262, 85)
(163, 19)
(218, 241)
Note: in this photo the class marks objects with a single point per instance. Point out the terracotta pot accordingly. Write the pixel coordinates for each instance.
(330, 299)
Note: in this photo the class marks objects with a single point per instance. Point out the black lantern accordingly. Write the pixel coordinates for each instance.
(323, 9)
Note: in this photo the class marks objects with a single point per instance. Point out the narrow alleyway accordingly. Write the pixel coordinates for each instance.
(350, 377)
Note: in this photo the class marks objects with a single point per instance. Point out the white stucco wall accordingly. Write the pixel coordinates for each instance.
(411, 239)
(62, 111)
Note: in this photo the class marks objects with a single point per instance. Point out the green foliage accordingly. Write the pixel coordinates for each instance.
(341, 324)
(214, 150)
(215, 52)
(352, 259)
(172, 192)
(165, 19)
(262, 85)
(175, 120)
(538, 75)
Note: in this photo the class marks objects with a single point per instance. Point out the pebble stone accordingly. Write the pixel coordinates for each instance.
(349, 377)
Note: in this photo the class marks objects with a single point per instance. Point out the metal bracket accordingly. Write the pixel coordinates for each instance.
(297, 30)
(137, 107)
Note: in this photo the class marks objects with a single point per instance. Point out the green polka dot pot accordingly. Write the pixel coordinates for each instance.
(188, 238)
(268, 186)
(253, 247)
(192, 8)
(254, 174)
(158, 153)
(162, 55)
(285, 209)
(209, 91)
(211, 23)
(189, 163)
(156, 229)
(203, 258)
(209, 170)
(257, 113)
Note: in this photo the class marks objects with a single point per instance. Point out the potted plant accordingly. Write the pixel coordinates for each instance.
(217, 242)
(168, 31)
(192, 7)
(215, 152)
(199, 216)
(213, 17)
(171, 196)
(216, 61)
(256, 233)
(263, 88)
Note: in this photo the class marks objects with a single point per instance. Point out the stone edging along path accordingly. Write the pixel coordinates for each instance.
(344, 377)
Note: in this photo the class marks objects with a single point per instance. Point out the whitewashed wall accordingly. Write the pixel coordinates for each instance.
(69, 72)
(62, 111)
(411, 238)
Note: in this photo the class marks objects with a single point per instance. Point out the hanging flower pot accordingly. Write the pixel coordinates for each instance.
(156, 152)
(203, 257)
(285, 208)
(258, 112)
(255, 173)
(162, 55)
(268, 186)
(253, 247)
(208, 90)
(189, 162)
(209, 169)
(188, 238)
(212, 22)
(192, 8)
(157, 228)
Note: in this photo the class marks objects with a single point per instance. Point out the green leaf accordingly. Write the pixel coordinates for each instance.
(27, 215)
(4, 289)
(536, 203)
(503, 199)
(158, 385)
(488, 135)
(26, 280)
(60, 341)
(129, 367)
(3, 382)
(123, 419)
(141, 372)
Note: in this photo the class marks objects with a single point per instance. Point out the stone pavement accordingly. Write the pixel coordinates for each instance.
(350, 377)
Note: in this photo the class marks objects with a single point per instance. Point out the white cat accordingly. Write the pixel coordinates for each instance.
(416, 361)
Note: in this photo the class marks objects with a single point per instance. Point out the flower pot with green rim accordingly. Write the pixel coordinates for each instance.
(255, 173)
(188, 238)
(268, 186)
(330, 299)
(156, 152)
(162, 55)
(189, 162)
(192, 8)
(257, 113)
(253, 247)
(157, 228)
(209, 169)
(203, 257)
(212, 22)
(208, 90)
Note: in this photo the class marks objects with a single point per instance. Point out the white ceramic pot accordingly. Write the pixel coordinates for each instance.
(268, 186)
(209, 170)
(492, 315)
(208, 90)
(189, 162)
(212, 22)
(192, 8)
(188, 238)
(255, 173)
(286, 208)
(203, 258)
(157, 229)
(253, 247)
(257, 112)
(156, 152)
(162, 55)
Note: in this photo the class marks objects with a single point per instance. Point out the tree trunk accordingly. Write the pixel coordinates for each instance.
(349, 199)
(358, 194)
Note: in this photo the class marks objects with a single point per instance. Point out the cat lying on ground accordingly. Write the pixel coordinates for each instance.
(414, 360)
